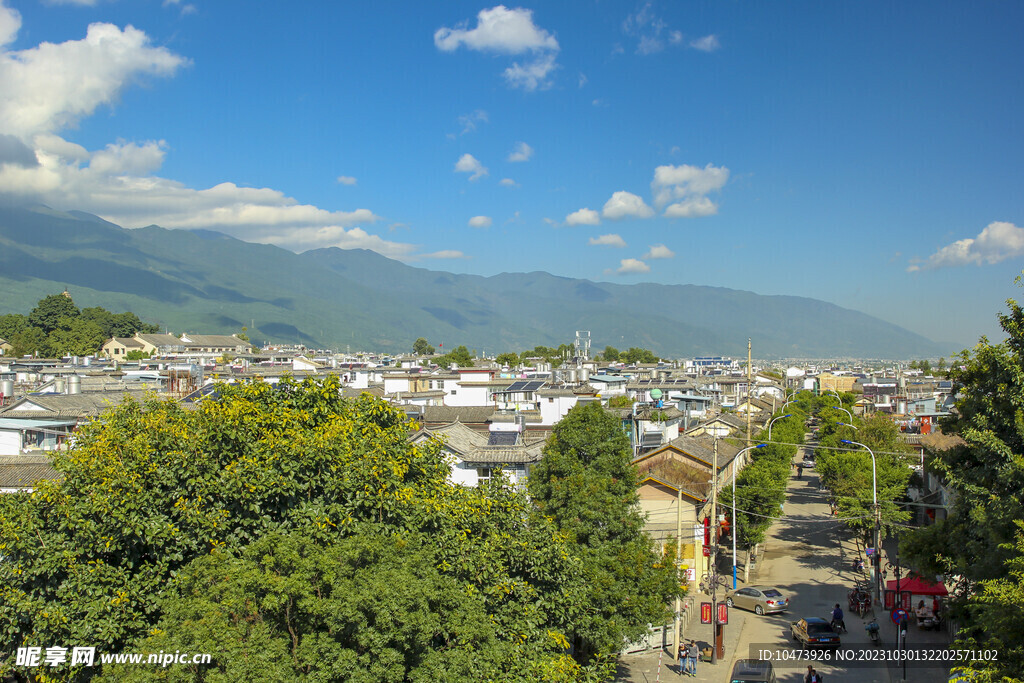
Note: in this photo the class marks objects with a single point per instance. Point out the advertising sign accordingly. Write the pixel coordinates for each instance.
(705, 612)
(723, 613)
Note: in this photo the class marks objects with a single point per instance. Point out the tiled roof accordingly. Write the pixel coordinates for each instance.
(160, 339)
(464, 414)
(213, 340)
(24, 471)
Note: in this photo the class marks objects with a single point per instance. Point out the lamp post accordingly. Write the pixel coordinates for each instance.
(734, 527)
(772, 421)
(878, 516)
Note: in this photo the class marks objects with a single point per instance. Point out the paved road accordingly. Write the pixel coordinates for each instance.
(810, 557)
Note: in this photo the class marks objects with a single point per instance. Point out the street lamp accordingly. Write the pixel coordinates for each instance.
(878, 519)
(734, 527)
(840, 407)
(772, 421)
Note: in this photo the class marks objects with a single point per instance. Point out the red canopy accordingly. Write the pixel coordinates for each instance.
(918, 586)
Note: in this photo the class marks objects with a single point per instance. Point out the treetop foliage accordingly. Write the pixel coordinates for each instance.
(221, 530)
(56, 327)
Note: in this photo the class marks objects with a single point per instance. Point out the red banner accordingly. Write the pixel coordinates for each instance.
(723, 613)
(705, 612)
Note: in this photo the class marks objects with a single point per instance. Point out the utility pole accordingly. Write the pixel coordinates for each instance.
(717, 628)
(679, 553)
(749, 375)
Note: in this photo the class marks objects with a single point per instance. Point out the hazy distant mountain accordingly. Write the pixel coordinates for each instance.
(204, 281)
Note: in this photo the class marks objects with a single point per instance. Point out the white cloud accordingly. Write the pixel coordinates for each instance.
(648, 29)
(999, 241)
(691, 208)
(443, 254)
(469, 121)
(50, 87)
(480, 222)
(610, 240)
(706, 44)
(467, 163)
(508, 182)
(498, 29)
(632, 265)
(582, 80)
(690, 185)
(522, 152)
(129, 158)
(10, 23)
(583, 217)
(659, 251)
(346, 180)
(511, 32)
(626, 205)
(531, 75)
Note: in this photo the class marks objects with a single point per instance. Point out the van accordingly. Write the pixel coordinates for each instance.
(752, 671)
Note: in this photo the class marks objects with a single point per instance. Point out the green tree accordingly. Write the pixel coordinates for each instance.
(28, 341)
(459, 355)
(610, 354)
(157, 505)
(509, 359)
(421, 347)
(137, 354)
(242, 335)
(75, 337)
(621, 401)
(11, 324)
(985, 469)
(635, 355)
(587, 484)
(49, 312)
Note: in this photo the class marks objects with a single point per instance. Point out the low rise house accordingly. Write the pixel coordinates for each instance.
(476, 457)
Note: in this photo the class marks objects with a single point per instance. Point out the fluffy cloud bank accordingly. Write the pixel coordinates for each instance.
(467, 163)
(480, 222)
(510, 32)
(610, 240)
(687, 186)
(51, 87)
(626, 205)
(583, 217)
(999, 241)
(629, 266)
(659, 251)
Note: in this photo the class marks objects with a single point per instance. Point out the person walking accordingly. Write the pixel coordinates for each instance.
(692, 653)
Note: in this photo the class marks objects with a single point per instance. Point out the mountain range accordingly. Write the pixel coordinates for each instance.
(207, 282)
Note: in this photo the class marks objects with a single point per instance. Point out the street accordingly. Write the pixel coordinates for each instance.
(809, 557)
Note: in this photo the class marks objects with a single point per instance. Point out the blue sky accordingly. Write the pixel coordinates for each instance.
(866, 154)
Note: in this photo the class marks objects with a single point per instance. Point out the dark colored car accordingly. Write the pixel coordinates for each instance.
(814, 631)
(752, 671)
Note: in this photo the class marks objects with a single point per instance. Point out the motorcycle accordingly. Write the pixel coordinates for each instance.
(872, 628)
(932, 623)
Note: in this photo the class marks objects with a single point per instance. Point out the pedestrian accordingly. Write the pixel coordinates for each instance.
(692, 653)
(936, 606)
(809, 676)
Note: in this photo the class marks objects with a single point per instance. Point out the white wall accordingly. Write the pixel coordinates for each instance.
(10, 441)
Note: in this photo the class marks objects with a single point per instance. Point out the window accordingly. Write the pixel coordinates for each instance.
(483, 474)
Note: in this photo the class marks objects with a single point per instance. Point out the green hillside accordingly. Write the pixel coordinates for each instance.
(203, 281)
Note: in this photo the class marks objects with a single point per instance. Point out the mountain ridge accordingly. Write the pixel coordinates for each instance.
(202, 280)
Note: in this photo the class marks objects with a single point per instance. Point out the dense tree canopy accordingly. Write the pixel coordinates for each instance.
(56, 327)
(253, 526)
(421, 347)
(459, 356)
(588, 486)
(980, 541)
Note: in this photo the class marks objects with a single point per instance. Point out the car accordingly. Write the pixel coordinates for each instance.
(814, 631)
(752, 671)
(760, 599)
(808, 462)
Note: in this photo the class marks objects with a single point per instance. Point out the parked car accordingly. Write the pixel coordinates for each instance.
(760, 599)
(813, 631)
(752, 671)
(808, 462)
